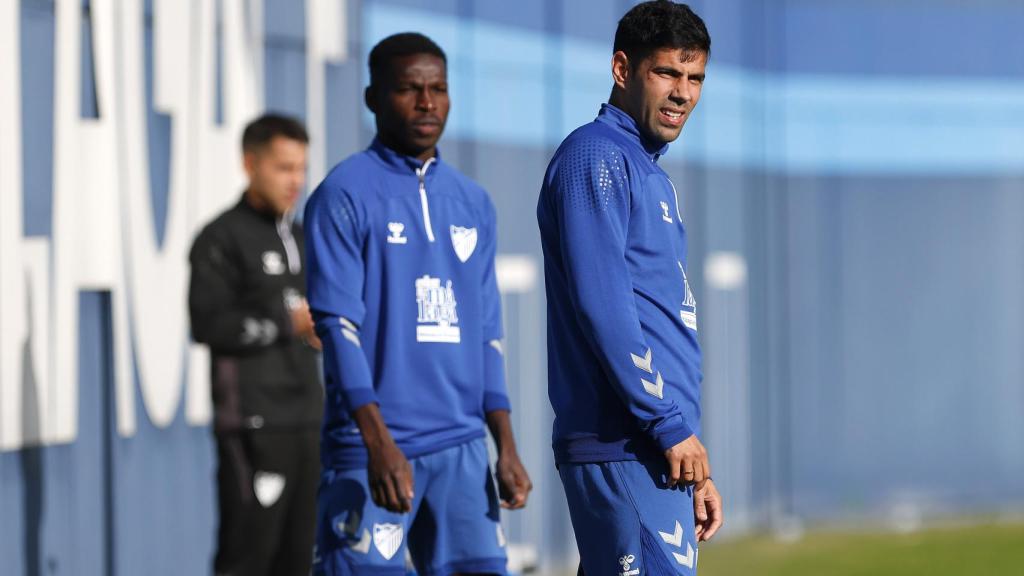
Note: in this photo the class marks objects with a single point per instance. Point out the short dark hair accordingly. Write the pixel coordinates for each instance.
(650, 26)
(396, 46)
(262, 130)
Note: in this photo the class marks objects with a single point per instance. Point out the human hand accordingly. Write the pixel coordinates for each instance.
(313, 341)
(514, 483)
(707, 510)
(687, 462)
(302, 321)
(389, 476)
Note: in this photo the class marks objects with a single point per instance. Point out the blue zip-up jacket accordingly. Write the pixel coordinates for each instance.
(624, 364)
(402, 287)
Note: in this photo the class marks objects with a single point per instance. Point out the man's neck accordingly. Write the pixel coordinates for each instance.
(422, 155)
(259, 204)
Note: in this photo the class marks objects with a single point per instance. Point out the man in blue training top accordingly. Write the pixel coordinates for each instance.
(624, 365)
(403, 291)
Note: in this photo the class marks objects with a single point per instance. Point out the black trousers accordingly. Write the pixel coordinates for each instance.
(267, 482)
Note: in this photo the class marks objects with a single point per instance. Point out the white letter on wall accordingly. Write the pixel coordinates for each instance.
(12, 277)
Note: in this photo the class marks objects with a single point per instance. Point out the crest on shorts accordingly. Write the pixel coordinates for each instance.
(387, 539)
(268, 487)
(463, 241)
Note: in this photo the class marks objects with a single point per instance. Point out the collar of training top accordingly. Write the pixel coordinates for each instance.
(246, 205)
(615, 117)
(397, 161)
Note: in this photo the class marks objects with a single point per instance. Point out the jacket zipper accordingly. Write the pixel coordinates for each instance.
(291, 250)
(421, 173)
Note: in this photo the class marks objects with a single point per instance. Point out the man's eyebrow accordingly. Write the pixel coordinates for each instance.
(667, 70)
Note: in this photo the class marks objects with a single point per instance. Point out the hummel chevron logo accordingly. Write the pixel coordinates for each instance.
(685, 560)
(643, 363)
(654, 389)
(348, 329)
(676, 539)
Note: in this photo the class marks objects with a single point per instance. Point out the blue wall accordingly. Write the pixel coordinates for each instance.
(866, 160)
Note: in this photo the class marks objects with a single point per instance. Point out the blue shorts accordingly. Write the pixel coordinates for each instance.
(627, 522)
(453, 527)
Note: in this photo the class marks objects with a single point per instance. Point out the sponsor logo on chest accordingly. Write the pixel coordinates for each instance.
(688, 308)
(664, 213)
(437, 319)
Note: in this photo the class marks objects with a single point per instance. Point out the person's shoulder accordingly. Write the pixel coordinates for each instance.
(472, 190)
(354, 173)
(595, 138)
(218, 231)
(350, 173)
(592, 147)
(591, 142)
(223, 223)
(341, 194)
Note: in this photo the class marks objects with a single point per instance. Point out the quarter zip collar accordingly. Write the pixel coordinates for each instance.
(397, 161)
(421, 174)
(402, 164)
(291, 249)
(616, 118)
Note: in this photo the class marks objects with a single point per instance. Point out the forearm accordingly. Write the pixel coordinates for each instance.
(345, 365)
(224, 313)
(495, 393)
(612, 328)
(372, 426)
(238, 330)
(388, 472)
(231, 319)
(500, 424)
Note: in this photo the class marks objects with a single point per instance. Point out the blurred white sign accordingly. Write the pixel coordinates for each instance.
(103, 231)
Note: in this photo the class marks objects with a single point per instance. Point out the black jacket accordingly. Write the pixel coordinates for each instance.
(246, 272)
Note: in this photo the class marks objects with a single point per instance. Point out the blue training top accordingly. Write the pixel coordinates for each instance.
(624, 364)
(403, 291)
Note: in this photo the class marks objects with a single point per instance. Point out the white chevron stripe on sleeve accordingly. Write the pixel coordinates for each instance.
(643, 363)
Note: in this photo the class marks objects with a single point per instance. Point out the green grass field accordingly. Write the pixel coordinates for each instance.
(983, 550)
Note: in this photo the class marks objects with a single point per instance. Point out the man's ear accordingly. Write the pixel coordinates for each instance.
(620, 69)
(370, 98)
(249, 162)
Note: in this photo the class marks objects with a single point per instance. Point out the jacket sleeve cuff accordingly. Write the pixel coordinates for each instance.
(671, 431)
(496, 401)
(355, 399)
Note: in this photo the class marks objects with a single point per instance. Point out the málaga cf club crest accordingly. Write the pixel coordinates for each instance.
(387, 538)
(463, 241)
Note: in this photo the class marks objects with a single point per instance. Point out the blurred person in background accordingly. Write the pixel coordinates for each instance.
(403, 289)
(247, 303)
(624, 364)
